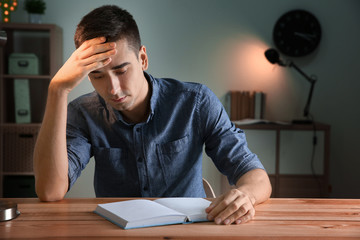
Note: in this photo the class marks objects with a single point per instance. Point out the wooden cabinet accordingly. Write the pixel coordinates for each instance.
(295, 156)
(17, 139)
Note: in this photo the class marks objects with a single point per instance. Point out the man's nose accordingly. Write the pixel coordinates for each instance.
(114, 85)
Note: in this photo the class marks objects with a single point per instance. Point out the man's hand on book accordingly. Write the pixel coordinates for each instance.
(234, 206)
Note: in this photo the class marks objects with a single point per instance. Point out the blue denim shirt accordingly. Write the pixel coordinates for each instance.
(161, 157)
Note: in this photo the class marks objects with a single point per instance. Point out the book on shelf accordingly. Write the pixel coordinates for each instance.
(141, 213)
(245, 105)
(259, 103)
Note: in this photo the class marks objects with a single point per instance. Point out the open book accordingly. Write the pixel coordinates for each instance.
(147, 213)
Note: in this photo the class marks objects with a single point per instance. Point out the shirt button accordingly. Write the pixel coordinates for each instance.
(140, 159)
(138, 129)
(145, 188)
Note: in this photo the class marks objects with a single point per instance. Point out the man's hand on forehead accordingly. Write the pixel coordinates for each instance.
(97, 49)
(91, 55)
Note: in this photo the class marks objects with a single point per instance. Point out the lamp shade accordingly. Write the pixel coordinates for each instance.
(273, 57)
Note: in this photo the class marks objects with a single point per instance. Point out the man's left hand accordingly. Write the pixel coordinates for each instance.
(235, 206)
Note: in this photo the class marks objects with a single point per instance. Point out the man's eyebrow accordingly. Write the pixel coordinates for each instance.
(113, 68)
(120, 66)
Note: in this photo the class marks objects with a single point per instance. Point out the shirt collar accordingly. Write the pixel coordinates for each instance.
(154, 88)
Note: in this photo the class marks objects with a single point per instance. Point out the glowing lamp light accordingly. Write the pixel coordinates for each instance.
(6, 7)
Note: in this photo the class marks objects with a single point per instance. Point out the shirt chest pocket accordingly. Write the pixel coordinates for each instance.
(172, 157)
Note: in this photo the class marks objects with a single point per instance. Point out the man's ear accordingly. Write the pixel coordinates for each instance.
(143, 58)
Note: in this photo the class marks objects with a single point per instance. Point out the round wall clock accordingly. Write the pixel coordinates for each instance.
(297, 33)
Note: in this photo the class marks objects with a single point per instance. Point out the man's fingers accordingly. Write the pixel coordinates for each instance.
(232, 207)
(247, 217)
(100, 57)
(237, 206)
(244, 214)
(93, 54)
(214, 203)
(94, 46)
(220, 204)
(88, 43)
(94, 50)
(98, 64)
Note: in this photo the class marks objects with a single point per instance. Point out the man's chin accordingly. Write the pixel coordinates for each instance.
(120, 107)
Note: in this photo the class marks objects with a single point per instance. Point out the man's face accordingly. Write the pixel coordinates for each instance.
(122, 83)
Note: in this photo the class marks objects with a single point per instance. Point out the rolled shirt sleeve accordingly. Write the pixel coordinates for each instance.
(225, 144)
(78, 145)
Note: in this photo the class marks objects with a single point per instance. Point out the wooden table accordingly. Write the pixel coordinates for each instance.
(275, 219)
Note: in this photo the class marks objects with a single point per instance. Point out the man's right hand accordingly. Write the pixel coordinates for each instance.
(91, 55)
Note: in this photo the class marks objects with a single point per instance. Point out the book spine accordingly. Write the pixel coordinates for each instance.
(252, 105)
(233, 108)
(227, 104)
(259, 105)
(240, 105)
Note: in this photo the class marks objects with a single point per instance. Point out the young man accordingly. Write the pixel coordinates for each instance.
(145, 133)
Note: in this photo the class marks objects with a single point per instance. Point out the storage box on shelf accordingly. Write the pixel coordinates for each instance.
(28, 61)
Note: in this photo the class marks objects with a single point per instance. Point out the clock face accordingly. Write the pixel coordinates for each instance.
(297, 33)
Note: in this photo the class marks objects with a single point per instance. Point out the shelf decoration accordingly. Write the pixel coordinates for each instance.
(35, 8)
(7, 6)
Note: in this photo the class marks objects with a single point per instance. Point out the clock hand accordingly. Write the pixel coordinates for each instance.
(306, 36)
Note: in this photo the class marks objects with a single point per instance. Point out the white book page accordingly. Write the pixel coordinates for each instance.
(192, 207)
(136, 210)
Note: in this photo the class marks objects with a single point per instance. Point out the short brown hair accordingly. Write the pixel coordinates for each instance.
(111, 22)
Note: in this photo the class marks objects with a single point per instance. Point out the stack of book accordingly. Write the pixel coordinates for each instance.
(245, 105)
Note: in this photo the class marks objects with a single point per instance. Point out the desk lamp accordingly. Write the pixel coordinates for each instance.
(273, 57)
